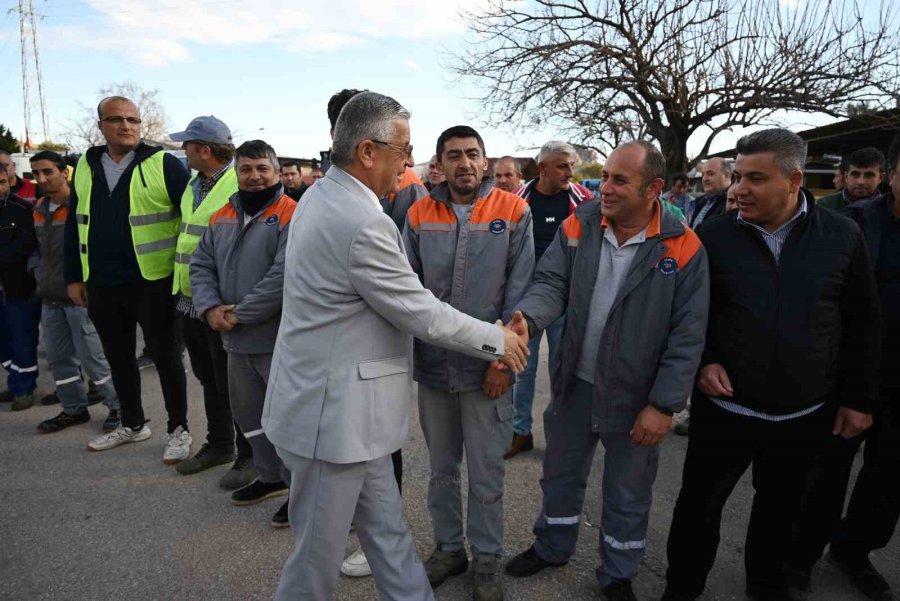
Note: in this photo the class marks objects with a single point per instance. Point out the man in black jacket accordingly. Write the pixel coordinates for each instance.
(716, 179)
(875, 503)
(20, 312)
(121, 231)
(791, 359)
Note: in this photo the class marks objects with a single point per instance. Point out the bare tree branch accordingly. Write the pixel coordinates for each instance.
(605, 71)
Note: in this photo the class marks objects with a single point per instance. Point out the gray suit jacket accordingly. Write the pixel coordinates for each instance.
(340, 387)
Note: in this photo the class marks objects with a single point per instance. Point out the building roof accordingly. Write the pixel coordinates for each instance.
(843, 137)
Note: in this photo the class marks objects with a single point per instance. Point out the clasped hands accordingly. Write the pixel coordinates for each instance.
(222, 318)
(515, 345)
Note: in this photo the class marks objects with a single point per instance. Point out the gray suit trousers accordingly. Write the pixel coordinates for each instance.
(325, 498)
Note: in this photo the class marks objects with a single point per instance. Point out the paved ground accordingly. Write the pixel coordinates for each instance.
(77, 525)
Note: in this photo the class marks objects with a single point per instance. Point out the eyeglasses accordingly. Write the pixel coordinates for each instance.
(404, 150)
(121, 120)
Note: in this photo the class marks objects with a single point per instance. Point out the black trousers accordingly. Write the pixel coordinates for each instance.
(209, 362)
(116, 313)
(397, 460)
(874, 506)
(721, 447)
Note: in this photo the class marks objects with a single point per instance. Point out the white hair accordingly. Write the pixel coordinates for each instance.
(366, 116)
(556, 147)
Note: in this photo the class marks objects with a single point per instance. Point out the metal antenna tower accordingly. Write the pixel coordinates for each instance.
(28, 28)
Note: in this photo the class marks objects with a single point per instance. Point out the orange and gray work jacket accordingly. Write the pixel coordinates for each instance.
(656, 327)
(396, 204)
(240, 261)
(480, 264)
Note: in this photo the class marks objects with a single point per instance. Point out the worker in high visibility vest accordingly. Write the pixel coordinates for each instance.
(121, 231)
(209, 149)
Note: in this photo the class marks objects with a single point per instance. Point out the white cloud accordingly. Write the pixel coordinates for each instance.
(412, 65)
(159, 32)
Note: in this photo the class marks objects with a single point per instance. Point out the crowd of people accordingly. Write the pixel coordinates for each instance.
(775, 316)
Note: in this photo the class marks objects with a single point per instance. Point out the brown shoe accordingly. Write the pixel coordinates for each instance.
(520, 443)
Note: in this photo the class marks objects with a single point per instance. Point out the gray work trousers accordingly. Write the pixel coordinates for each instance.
(71, 340)
(325, 498)
(482, 426)
(628, 475)
(248, 376)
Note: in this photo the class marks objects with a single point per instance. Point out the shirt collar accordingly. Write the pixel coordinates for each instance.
(217, 175)
(801, 211)
(364, 188)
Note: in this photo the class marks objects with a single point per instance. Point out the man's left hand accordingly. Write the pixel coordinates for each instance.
(231, 318)
(496, 382)
(849, 423)
(650, 427)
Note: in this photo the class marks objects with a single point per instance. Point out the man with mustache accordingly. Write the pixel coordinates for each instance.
(861, 178)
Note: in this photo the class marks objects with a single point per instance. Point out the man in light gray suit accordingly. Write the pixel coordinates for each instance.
(339, 393)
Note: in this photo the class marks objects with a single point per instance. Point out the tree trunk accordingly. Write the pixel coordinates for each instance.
(673, 145)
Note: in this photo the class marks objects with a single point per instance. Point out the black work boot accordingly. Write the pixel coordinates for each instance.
(486, 585)
(443, 564)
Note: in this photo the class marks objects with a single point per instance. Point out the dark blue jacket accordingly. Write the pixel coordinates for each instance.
(17, 243)
(799, 332)
(112, 258)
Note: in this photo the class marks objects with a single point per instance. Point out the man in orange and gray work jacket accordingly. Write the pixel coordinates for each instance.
(471, 245)
(634, 284)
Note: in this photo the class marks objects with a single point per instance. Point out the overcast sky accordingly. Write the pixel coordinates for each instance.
(266, 67)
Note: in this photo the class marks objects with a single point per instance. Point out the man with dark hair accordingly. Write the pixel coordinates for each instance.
(679, 196)
(874, 506)
(552, 197)
(395, 204)
(480, 262)
(21, 187)
(790, 359)
(839, 180)
(716, 177)
(70, 339)
(292, 179)
(237, 280)
(630, 349)
(209, 149)
(507, 174)
(865, 170)
(20, 312)
(121, 232)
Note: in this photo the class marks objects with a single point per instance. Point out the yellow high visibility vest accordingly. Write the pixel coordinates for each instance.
(153, 220)
(194, 224)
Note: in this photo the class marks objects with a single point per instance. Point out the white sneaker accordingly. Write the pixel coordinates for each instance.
(356, 565)
(117, 437)
(178, 446)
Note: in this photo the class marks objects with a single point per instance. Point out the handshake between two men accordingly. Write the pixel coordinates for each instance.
(497, 378)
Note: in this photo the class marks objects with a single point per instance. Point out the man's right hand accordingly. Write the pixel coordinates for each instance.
(215, 317)
(77, 292)
(515, 350)
(714, 382)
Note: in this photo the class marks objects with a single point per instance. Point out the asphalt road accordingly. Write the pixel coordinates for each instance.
(115, 525)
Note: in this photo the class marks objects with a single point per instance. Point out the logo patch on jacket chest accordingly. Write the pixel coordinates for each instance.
(272, 220)
(497, 226)
(668, 266)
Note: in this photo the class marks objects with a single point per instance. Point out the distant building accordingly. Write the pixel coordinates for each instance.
(828, 143)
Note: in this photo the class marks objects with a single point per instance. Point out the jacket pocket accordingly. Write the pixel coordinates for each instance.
(377, 368)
